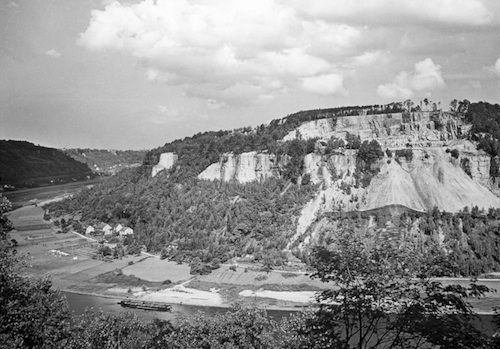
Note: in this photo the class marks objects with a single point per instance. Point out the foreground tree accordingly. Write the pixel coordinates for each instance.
(31, 314)
(380, 298)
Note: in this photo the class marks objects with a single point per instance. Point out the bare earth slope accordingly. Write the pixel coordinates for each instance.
(425, 182)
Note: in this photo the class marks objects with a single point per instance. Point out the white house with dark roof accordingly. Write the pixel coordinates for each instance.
(105, 228)
(126, 231)
(90, 229)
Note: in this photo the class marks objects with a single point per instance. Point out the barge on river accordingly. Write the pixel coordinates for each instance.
(145, 305)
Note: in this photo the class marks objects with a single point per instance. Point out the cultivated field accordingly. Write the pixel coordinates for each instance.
(157, 270)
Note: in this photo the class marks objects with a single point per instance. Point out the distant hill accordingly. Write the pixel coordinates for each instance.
(24, 164)
(107, 161)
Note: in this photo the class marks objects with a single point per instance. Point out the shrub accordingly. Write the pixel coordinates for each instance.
(455, 153)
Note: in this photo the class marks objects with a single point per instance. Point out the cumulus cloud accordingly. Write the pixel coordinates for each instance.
(53, 53)
(327, 85)
(399, 12)
(425, 78)
(228, 51)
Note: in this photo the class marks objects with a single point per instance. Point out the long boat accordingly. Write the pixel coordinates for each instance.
(145, 305)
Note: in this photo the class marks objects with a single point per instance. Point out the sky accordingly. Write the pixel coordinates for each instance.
(137, 74)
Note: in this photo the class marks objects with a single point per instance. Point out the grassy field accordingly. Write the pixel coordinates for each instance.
(157, 270)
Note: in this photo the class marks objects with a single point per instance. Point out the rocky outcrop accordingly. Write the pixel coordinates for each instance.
(244, 168)
(422, 128)
(166, 162)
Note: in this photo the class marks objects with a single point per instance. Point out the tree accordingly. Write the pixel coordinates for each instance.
(99, 330)
(381, 299)
(239, 328)
(31, 314)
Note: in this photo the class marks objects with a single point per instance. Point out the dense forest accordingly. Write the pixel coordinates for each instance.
(460, 244)
(204, 219)
(24, 164)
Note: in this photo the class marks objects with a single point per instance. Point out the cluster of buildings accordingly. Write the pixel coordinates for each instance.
(107, 230)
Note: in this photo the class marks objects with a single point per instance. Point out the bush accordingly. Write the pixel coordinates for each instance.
(455, 153)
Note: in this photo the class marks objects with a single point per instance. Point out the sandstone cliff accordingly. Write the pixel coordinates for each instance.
(166, 162)
(423, 128)
(432, 176)
(244, 168)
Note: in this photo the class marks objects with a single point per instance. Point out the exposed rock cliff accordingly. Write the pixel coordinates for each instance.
(432, 178)
(166, 162)
(244, 168)
(421, 128)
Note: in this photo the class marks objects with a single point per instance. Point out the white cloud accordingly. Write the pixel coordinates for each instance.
(327, 85)
(399, 12)
(369, 58)
(229, 51)
(497, 67)
(53, 53)
(425, 78)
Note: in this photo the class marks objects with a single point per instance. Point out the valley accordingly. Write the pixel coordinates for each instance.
(69, 260)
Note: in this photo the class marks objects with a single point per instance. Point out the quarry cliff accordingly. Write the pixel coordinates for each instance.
(418, 168)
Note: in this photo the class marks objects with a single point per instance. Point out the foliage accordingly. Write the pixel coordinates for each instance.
(485, 120)
(406, 153)
(31, 314)
(239, 328)
(378, 302)
(368, 155)
(200, 219)
(99, 330)
(455, 153)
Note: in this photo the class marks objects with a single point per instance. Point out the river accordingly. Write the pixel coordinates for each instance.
(22, 196)
(79, 302)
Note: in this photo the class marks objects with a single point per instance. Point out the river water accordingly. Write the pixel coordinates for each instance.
(79, 302)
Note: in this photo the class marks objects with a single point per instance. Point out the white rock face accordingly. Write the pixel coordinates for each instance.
(390, 130)
(432, 178)
(321, 128)
(244, 168)
(167, 161)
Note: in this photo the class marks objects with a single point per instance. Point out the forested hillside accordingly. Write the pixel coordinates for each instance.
(107, 162)
(181, 217)
(24, 164)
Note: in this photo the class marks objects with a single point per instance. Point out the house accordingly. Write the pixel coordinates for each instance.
(118, 228)
(105, 228)
(126, 231)
(90, 229)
